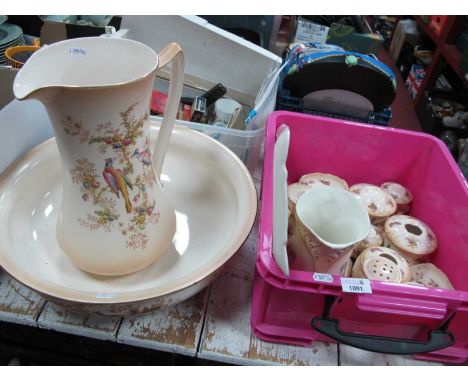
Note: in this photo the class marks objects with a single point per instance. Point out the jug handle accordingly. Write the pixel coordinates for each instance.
(171, 53)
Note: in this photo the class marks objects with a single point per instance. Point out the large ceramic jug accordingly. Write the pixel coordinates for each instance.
(114, 217)
(329, 223)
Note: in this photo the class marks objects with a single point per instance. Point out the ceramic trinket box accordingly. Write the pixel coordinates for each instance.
(429, 275)
(411, 237)
(382, 264)
(401, 194)
(379, 203)
(373, 239)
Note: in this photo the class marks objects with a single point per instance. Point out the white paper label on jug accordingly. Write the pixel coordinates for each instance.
(352, 285)
(323, 277)
(77, 51)
(106, 295)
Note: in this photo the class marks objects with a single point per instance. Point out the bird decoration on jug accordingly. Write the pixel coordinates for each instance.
(118, 182)
(144, 156)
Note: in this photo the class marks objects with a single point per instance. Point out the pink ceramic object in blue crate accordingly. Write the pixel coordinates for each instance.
(395, 318)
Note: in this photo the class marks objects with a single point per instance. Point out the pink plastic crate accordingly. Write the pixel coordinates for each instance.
(394, 318)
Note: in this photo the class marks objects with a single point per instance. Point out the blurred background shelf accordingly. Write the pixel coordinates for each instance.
(445, 50)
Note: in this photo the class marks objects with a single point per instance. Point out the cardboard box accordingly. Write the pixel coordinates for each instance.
(405, 31)
(348, 39)
(310, 32)
(53, 31)
(338, 34)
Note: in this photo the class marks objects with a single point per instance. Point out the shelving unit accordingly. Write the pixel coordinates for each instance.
(445, 50)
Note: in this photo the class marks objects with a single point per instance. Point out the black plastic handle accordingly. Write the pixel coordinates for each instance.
(437, 339)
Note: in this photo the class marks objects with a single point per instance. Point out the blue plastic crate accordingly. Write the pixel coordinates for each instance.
(288, 103)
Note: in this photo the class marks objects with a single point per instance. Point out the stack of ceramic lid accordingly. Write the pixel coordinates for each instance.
(10, 35)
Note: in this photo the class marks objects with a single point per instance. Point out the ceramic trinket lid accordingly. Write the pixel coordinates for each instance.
(401, 194)
(317, 178)
(411, 237)
(379, 203)
(382, 264)
(374, 239)
(295, 190)
(429, 275)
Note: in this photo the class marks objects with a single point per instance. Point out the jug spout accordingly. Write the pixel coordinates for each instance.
(84, 64)
(45, 94)
(30, 83)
